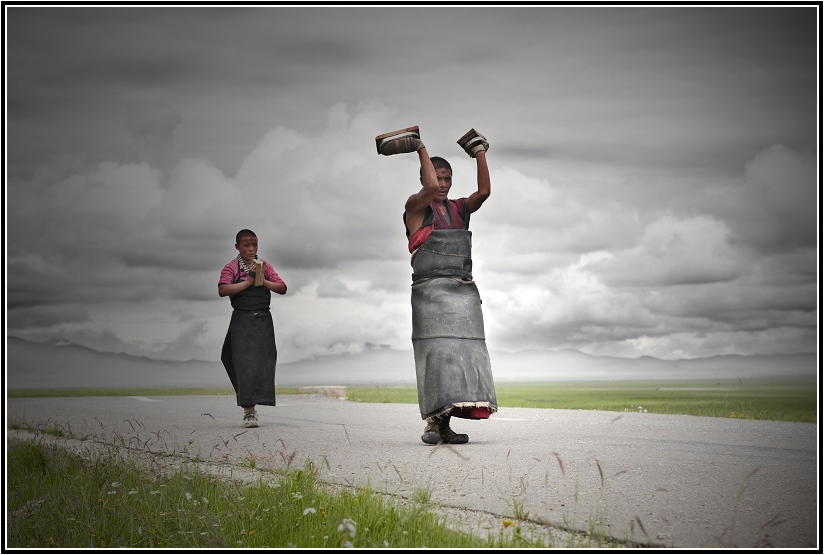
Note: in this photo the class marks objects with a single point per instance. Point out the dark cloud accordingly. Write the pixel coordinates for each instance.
(654, 184)
(774, 209)
(50, 313)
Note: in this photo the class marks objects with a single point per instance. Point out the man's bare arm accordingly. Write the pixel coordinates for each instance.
(476, 199)
(416, 204)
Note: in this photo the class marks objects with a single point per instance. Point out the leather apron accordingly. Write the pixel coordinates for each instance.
(249, 351)
(452, 366)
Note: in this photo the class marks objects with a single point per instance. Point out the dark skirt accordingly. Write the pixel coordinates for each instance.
(250, 356)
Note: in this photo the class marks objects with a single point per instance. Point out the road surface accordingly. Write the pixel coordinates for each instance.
(660, 480)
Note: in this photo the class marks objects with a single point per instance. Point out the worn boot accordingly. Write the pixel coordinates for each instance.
(438, 431)
(447, 435)
(250, 419)
(431, 434)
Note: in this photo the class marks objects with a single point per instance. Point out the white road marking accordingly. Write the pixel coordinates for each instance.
(145, 399)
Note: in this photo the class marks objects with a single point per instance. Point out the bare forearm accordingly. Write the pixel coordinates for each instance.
(275, 286)
(417, 203)
(484, 183)
(429, 178)
(229, 289)
(477, 198)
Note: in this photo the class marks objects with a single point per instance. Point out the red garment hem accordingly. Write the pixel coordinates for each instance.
(471, 413)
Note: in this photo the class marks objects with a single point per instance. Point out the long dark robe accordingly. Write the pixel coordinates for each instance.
(452, 363)
(249, 351)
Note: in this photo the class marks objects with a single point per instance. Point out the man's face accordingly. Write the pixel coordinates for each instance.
(247, 247)
(444, 183)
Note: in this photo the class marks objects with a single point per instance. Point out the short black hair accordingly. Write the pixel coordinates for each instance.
(439, 162)
(244, 233)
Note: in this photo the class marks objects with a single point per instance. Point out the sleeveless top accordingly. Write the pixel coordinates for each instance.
(433, 219)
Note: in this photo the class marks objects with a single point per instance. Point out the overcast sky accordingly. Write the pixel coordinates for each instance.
(654, 173)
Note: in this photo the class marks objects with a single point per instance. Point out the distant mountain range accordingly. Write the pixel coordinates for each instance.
(45, 365)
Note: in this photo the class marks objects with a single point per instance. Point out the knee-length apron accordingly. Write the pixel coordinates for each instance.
(249, 352)
(452, 364)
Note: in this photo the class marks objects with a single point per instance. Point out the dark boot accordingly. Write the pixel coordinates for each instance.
(437, 431)
(431, 434)
(446, 433)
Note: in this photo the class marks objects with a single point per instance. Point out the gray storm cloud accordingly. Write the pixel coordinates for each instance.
(653, 170)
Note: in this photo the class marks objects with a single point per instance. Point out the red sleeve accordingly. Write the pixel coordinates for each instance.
(272, 275)
(228, 275)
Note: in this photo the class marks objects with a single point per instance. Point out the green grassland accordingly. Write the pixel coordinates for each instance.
(784, 400)
(61, 500)
(791, 400)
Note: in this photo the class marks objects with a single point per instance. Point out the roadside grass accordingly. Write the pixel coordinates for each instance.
(58, 499)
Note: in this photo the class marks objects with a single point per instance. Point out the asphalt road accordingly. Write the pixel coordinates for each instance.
(673, 481)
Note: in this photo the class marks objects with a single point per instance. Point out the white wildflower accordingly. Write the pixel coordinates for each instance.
(308, 510)
(188, 496)
(347, 526)
(132, 492)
